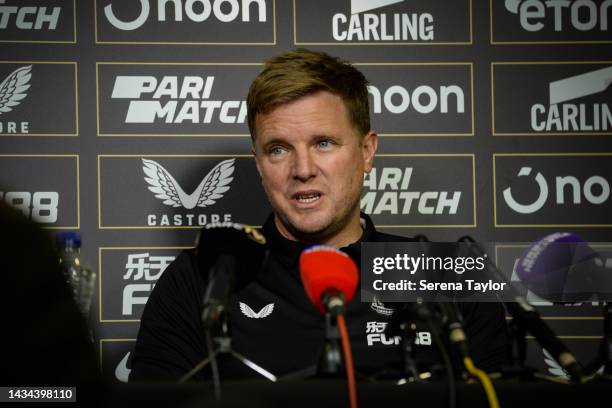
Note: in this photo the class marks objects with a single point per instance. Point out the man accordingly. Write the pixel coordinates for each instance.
(309, 120)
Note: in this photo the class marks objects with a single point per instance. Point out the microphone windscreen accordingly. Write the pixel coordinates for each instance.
(544, 266)
(245, 244)
(324, 268)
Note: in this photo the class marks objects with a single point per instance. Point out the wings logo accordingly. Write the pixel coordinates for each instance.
(210, 189)
(555, 369)
(13, 88)
(264, 312)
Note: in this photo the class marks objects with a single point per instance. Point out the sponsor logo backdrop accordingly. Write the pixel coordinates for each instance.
(495, 121)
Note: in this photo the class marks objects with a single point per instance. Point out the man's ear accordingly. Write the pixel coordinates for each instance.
(369, 144)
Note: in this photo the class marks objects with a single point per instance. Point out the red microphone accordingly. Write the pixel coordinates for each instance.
(329, 276)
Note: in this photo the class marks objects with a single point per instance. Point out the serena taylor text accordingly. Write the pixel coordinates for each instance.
(469, 284)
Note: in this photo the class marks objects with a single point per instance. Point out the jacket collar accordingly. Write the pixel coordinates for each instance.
(288, 252)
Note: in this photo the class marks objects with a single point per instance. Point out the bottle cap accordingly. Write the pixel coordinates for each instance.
(68, 239)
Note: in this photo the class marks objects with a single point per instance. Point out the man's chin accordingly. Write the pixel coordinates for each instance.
(311, 231)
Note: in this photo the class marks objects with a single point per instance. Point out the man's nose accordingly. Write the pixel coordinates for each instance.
(304, 166)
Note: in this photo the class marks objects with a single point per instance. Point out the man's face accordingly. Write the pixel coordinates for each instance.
(311, 160)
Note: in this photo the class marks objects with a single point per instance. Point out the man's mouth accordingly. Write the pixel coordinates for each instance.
(307, 197)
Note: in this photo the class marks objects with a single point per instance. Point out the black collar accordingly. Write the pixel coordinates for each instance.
(288, 252)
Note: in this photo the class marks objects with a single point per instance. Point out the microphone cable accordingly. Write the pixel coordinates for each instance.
(458, 337)
(484, 379)
(348, 360)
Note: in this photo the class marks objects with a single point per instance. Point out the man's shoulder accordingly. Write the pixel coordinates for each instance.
(384, 237)
(185, 260)
(182, 271)
(372, 234)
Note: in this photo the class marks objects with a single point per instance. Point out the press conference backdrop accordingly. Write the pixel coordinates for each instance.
(494, 116)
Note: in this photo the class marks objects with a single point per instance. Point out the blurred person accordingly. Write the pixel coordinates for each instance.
(45, 340)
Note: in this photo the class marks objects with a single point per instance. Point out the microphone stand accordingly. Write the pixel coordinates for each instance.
(214, 319)
(408, 341)
(337, 343)
(517, 353)
(330, 363)
(423, 312)
(404, 321)
(600, 279)
(605, 350)
(606, 342)
(528, 318)
(604, 357)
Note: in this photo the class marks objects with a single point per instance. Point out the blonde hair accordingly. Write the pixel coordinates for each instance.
(294, 74)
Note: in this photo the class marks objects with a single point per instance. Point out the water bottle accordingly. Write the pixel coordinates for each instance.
(78, 274)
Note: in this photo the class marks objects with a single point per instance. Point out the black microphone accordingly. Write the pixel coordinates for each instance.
(451, 316)
(221, 281)
(527, 316)
(229, 255)
(453, 321)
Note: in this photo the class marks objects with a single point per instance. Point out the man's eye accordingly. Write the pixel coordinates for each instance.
(325, 143)
(276, 150)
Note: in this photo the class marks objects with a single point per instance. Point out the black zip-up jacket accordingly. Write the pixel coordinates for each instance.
(274, 324)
